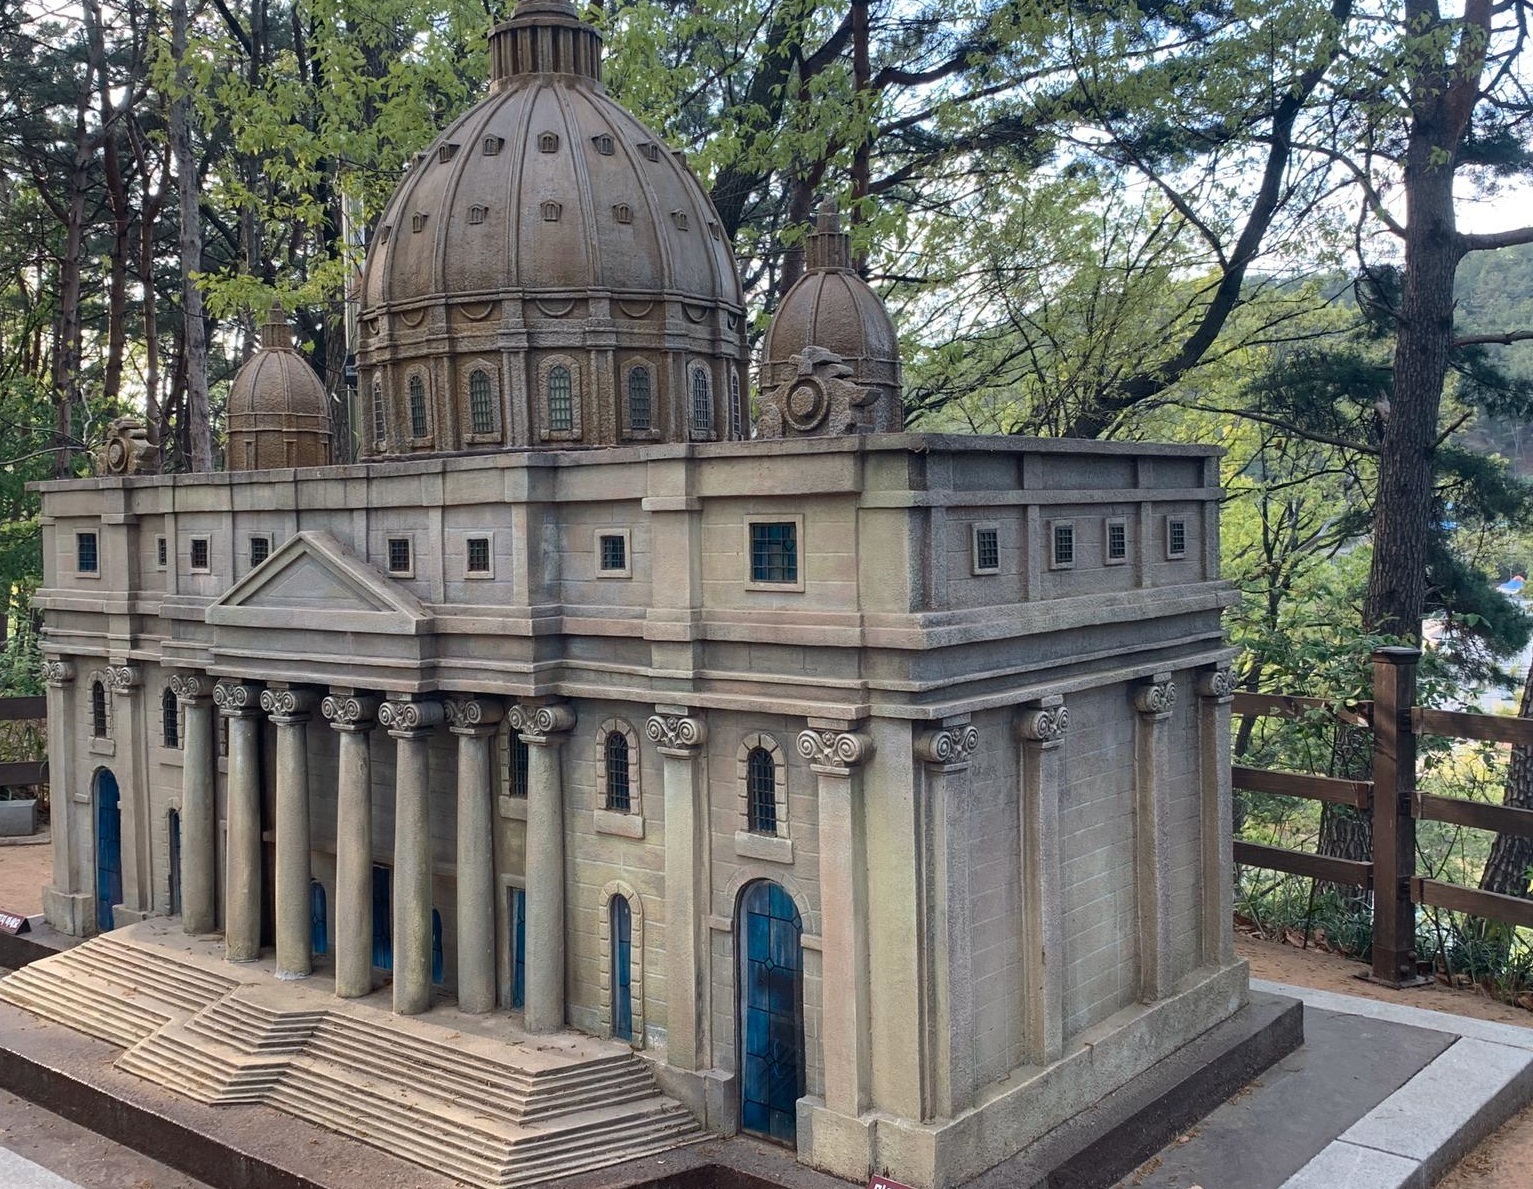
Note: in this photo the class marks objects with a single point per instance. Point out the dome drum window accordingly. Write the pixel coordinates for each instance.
(420, 416)
(700, 388)
(483, 407)
(559, 384)
(380, 418)
(639, 403)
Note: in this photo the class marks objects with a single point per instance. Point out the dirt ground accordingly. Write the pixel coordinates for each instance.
(1505, 1160)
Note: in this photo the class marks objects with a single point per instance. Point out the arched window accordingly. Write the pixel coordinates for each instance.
(380, 421)
(736, 415)
(761, 781)
(622, 968)
(98, 710)
(480, 407)
(319, 919)
(170, 719)
(561, 401)
(619, 798)
(702, 400)
(419, 426)
(639, 416)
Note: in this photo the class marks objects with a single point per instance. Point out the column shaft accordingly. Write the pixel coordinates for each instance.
(352, 720)
(541, 728)
(242, 879)
(199, 806)
(1215, 694)
(473, 722)
(1041, 729)
(61, 773)
(295, 871)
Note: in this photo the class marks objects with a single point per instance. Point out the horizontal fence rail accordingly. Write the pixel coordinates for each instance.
(27, 773)
(1393, 804)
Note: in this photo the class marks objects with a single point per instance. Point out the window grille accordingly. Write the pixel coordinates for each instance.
(987, 549)
(170, 719)
(702, 400)
(614, 552)
(761, 789)
(774, 552)
(561, 401)
(98, 710)
(419, 427)
(618, 799)
(87, 554)
(638, 398)
(1064, 546)
(736, 414)
(199, 553)
(479, 555)
(380, 421)
(1176, 538)
(161, 552)
(399, 555)
(1117, 540)
(521, 765)
(481, 408)
(260, 550)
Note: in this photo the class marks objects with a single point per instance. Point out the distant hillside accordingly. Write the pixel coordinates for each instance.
(1495, 293)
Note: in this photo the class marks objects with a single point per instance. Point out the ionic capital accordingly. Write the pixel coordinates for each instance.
(947, 745)
(1216, 684)
(473, 716)
(287, 705)
(58, 672)
(349, 712)
(835, 753)
(192, 689)
(406, 720)
(1044, 721)
(535, 724)
(237, 699)
(676, 732)
(1157, 697)
(123, 679)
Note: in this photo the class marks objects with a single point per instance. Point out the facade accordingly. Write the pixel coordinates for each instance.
(872, 787)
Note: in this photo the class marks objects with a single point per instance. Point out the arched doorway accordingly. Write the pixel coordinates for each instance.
(770, 1011)
(108, 847)
(622, 968)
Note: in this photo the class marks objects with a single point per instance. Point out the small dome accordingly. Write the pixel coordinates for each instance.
(278, 410)
(830, 334)
(548, 271)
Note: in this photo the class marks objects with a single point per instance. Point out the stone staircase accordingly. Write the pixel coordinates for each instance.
(116, 991)
(477, 1105)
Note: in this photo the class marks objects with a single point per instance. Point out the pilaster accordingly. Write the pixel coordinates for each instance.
(1041, 729)
(66, 902)
(1154, 700)
(130, 731)
(1216, 692)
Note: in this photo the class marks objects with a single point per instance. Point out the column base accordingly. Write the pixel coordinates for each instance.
(710, 1094)
(288, 976)
(73, 913)
(123, 915)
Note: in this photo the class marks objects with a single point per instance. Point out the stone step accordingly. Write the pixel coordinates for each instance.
(81, 1001)
(235, 1021)
(621, 1079)
(638, 1140)
(179, 985)
(176, 1056)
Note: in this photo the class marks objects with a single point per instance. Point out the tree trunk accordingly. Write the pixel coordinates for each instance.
(1511, 855)
(194, 351)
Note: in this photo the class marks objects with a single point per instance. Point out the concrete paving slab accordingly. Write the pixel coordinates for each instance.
(17, 1173)
(1402, 1013)
(1357, 1168)
(1269, 1130)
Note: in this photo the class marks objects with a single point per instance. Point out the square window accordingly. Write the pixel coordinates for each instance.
(774, 552)
(1062, 545)
(1115, 542)
(1176, 537)
(199, 554)
(612, 554)
(260, 549)
(477, 562)
(986, 552)
(399, 555)
(87, 555)
(161, 553)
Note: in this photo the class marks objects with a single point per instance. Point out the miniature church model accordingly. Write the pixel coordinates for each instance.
(861, 790)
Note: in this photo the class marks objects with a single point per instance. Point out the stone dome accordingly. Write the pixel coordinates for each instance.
(279, 412)
(830, 334)
(548, 272)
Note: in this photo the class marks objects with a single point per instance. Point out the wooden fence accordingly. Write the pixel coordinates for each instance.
(1394, 805)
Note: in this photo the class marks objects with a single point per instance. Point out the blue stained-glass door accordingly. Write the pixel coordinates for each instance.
(622, 969)
(771, 1012)
(319, 919)
(383, 918)
(108, 848)
(175, 862)
(518, 906)
(438, 962)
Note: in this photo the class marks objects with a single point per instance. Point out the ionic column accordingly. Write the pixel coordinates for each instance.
(543, 728)
(680, 739)
(412, 723)
(130, 730)
(199, 804)
(1216, 689)
(834, 757)
(1041, 731)
(63, 899)
(944, 754)
(1154, 701)
(474, 722)
(240, 704)
(351, 718)
(289, 711)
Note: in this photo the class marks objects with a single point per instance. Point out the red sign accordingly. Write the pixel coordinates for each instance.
(878, 1182)
(14, 922)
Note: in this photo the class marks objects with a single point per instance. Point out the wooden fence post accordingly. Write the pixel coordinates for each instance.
(1394, 827)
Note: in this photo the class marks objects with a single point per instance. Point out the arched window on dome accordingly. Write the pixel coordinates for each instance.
(481, 403)
(561, 400)
(640, 405)
(702, 401)
(736, 416)
(420, 426)
(380, 419)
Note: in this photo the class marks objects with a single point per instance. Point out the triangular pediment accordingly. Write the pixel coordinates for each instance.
(315, 583)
